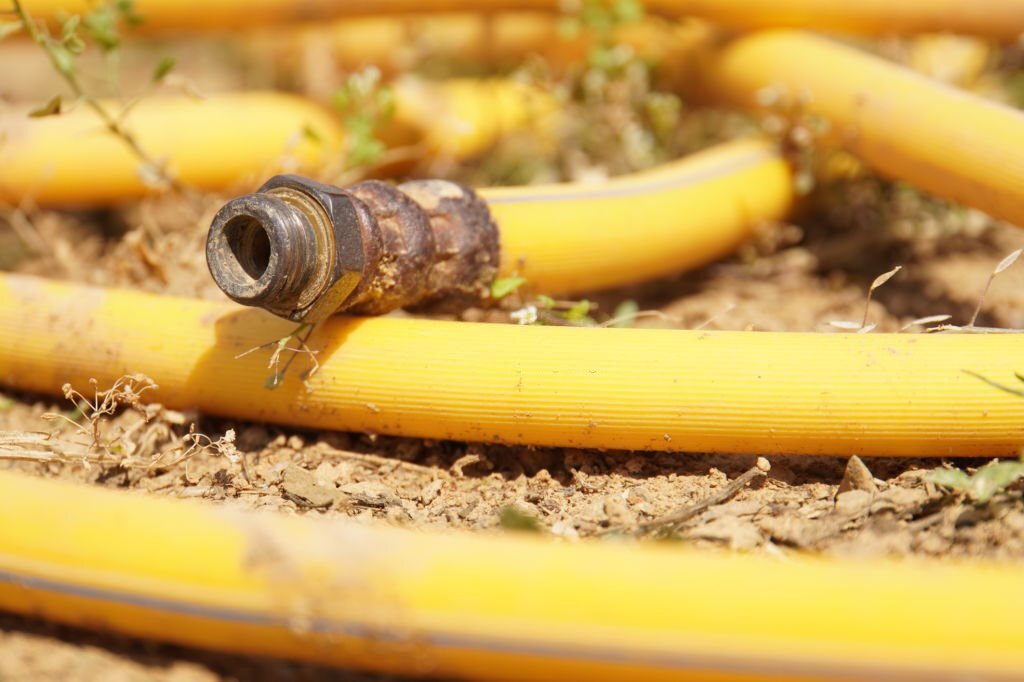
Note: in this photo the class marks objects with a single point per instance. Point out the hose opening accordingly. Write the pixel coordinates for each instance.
(249, 244)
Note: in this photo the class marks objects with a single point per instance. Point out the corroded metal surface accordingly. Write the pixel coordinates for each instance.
(466, 257)
(305, 250)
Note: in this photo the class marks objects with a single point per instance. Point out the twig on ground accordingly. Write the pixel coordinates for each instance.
(668, 523)
(301, 334)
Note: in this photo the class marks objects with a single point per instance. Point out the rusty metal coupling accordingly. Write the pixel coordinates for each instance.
(304, 250)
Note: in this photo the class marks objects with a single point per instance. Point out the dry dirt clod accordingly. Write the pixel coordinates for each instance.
(853, 502)
(736, 533)
(617, 510)
(300, 486)
(857, 477)
(369, 494)
(431, 491)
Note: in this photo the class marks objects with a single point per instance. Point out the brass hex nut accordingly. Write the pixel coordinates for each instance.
(348, 242)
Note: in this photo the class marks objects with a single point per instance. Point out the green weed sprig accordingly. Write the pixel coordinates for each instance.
(366, 105)
(101, 25)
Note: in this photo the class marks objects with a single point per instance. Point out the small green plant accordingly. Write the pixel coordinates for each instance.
(601, 19)
(549, 311)
(300, 335)
(573, 312)
(616, 119)
(625, 314)
(991, 479)
(620, 102)
(1002, 387)
(101, 25)
(366, 105)
(505, 286)
(984, 484)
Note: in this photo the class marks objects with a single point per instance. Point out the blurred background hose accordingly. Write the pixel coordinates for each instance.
(1003, 19)
(947, 141)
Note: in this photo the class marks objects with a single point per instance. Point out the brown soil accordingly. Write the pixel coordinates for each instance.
(796, 277)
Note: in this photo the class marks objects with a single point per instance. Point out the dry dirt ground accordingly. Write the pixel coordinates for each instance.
(794, 277)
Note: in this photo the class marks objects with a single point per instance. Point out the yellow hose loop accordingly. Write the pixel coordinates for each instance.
(642, 389)
(575, 238)
(906, 126)
(219, 140)
(210, 143)
(462, 117)
(1003, 19)
(563, 238)
(491, 608)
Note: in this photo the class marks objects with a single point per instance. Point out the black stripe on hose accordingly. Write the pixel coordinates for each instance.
(611, 190)
(565, 652)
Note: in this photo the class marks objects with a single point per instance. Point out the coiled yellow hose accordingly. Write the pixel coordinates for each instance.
(564, 238)
(1003, 19)
(502, 608)
(576, 238)
(934, 136)
(642, 389)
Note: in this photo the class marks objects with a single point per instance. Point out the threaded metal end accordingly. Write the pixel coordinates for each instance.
(255, 251)
(304, 250)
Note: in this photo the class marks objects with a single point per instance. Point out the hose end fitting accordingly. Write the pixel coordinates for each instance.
(295, 247)
(304, 250)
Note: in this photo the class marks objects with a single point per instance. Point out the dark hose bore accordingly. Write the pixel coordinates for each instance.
(304, 250)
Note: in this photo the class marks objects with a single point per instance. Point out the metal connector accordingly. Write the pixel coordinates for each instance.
(304, 250)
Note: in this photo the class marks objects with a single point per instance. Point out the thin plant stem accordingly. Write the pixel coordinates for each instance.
(109, 120)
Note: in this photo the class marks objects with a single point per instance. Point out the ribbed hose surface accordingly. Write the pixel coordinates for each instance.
(797, 393)
(481, 607)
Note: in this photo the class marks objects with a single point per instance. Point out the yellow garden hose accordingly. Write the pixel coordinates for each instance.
(1003, 19)
(563, 238)
(214, 142)
(207, 143)
(642, 389)
(502, 608)
(906, 126)
(687, 213)
(491, 608)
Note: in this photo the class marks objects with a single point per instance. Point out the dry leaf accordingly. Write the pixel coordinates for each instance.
(885, 277)
(1008, 261)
